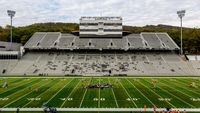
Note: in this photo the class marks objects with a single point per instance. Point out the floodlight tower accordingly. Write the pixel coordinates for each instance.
(11, 14)
(181, 14)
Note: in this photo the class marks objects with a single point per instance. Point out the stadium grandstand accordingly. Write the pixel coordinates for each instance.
(100, 49)
(10, 51)
(6, 46)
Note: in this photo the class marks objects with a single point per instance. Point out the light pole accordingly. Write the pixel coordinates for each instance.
(11, 14)
(181, 14)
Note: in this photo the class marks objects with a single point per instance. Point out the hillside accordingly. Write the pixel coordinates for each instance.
(191, 36)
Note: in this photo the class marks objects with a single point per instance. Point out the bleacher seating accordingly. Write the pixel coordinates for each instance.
(82, 43)
(119, 43)
(156, 57)
(167, 40)
(65, 41)
(130, 55)
(100, 43)
(35, 39)
(135, 41)
(49, 40)
(137, 63)
(152, 40)
(171, 57)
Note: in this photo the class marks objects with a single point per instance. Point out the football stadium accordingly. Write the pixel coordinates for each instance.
(101, 68)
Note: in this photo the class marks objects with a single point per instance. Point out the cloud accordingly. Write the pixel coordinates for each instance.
(134, 12)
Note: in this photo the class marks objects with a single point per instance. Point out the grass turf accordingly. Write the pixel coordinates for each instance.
(127, 92)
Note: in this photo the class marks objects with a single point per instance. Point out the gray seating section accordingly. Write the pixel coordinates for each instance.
(69, 62)
(82, 43)
(108, 57)
(66, 40)
(6, 46)
(62, 63)
(93, 57)
(63, 56)
(152, 40)
(49, 40)
(135, 41)
(69, 41)
(119, 43)
(139, 57)
(79, 57)
(123, 57)
(6, 66)
(35, 39)
(100, 43)
(171, 57)
(155, 57)
(164, 37)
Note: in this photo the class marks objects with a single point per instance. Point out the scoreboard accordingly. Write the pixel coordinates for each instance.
(100, 27)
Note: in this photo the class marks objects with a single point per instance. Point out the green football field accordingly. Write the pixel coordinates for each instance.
(127, 92)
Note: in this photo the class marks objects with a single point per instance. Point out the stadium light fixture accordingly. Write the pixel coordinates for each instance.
(11, 14)
(181, 14)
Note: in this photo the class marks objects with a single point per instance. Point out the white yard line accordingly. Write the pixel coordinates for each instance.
(176, 90)
(84, 95)
(25, 94)
(20, 90)
(127, 93)
(59, 91)
(114, 95)
(179, 92)
(175, 96)
(70, 93)
(156, 94)
(186, 88)
(39, 95)
(99, 96)
(140, 92)
(16, 85)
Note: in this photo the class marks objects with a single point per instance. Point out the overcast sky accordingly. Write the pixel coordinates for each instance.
(134, 12)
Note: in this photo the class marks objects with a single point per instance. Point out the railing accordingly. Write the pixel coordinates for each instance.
(106, 109)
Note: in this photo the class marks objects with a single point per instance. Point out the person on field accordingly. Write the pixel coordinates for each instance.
(154, 108)
(145, 107)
